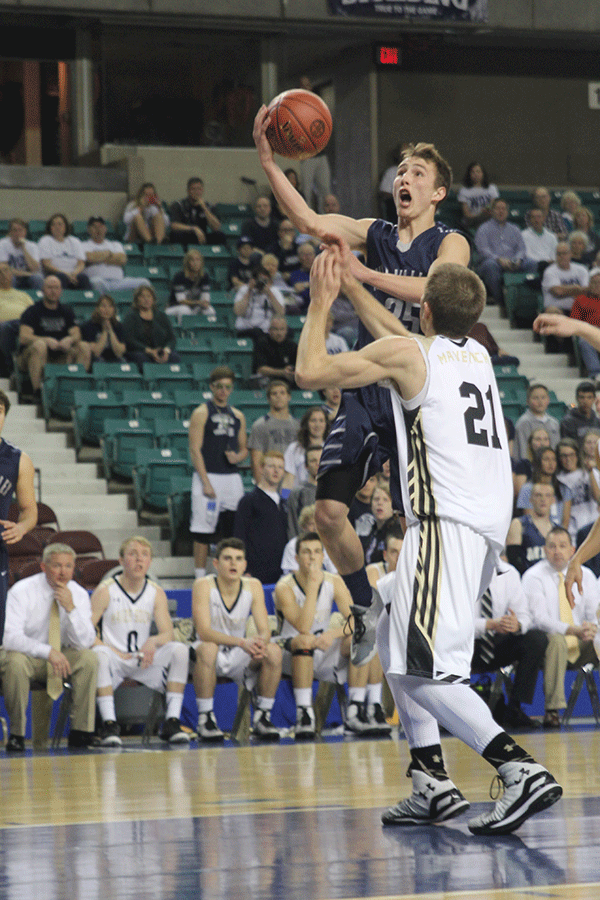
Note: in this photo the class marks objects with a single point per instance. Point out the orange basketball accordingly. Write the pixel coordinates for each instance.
(300, 124)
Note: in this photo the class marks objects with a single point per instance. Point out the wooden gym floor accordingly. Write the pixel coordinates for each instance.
(286, 821)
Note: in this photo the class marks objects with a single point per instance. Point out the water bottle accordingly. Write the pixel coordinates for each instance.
(211, 514)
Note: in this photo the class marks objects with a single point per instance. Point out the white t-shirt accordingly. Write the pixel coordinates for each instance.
(477, 198)
(103, 270)
(14, 255)
(63, 255)
(540, 247)
(554, 276)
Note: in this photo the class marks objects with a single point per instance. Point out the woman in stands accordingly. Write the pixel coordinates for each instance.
(544, 471)
(571, 472)
(384, 519)
(190, 289)
(145, 219)
(583, 220)
(476, 195)
(148, 332)
(103, 331)
(61, 254)
(314, 427)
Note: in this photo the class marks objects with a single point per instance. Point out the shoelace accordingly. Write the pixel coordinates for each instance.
(359, 627)
(497, 787)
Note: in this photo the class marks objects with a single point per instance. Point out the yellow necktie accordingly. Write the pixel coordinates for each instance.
(54, 684)
(566, 615)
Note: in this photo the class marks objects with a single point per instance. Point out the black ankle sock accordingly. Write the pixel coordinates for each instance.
(427, 759)
(359, 587)
(503, 749)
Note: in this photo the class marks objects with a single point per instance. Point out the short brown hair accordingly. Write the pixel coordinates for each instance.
(221, 372)
(5, 402)
(275, 383)
(456, 297)
(231, 543)
(139, 290)
(431, 154)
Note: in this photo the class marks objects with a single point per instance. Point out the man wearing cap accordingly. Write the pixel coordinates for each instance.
(240, 268)
(104, 261)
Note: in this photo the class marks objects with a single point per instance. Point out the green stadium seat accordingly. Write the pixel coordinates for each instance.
(513, 411)
(167, 376)
(156, 275)
(202, 327)
(164, 254)
(234, 352)
(120, 441)
(179, 507)
(202, 372)
(174, 435)
(59, 386)
(152, 473)
(36, 228)
(523, 298)
(186, 401)
(149, 404)
(135, 256)
(240, 211)
(90, 411)
(117, 377)
(194, 350)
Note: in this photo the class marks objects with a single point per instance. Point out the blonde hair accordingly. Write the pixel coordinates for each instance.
(138, 539)
(306, 516)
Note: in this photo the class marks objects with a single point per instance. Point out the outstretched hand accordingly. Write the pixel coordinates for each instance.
(555, 324)
(325, 275)
(259, 133)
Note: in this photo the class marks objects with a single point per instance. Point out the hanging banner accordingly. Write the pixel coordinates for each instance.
(457, 10)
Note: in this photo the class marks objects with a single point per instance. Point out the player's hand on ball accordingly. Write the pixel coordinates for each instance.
(259, 133)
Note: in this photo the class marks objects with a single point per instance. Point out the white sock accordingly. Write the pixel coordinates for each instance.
(106, 708)
(303, 696)
(356, 694)
(199, 573)
(204, 704)
(265, 703)
(374, 693)
(174, 704)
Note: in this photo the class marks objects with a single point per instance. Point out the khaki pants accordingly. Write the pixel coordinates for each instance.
(19, 670)
(555, 666)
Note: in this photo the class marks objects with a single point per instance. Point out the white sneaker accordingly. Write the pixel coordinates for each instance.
(378, 724)
(356, 721)
(263, 728)
(208, 730)
(432, 800)
(362, 646)
(305, 724)
(528, 789)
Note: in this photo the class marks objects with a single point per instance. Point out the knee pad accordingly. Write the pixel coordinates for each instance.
(302, 652)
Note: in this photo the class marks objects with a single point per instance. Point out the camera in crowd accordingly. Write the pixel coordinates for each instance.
(260, 276)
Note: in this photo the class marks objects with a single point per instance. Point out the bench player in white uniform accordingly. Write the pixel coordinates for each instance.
(456, 485)
(123, 608)
(221, 606)
(312, 647)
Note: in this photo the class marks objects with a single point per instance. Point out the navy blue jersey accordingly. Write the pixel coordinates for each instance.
(533, 542)
(10, 458)
(221, 433)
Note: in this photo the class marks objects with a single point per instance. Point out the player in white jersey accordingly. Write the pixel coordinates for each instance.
(456, 484)
(123, 609)
(313, 645)
(222, 605)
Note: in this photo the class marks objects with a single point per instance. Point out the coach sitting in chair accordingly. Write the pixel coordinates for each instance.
(47, 637)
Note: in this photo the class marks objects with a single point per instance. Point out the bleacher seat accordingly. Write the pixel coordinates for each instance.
(120, 440)
(82, 302)
(135, 255)
(90, 411)
(59, 386)
(523, 298)
(302, 401)
(179, 503)
(85, 544)
(202, 327)
(164, 254)
(186, 402)
(226, 211)
(167, 376)
(234, 352)
(149, 404)
(216, 262)
(174, 435)
(152, 473)
(513, 411)
(201, 372)
(156, 275)
(117, 377)
(192, 351)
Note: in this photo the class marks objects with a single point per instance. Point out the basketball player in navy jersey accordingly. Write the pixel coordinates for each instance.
(456, 488)
(16, 478)
(399, 257)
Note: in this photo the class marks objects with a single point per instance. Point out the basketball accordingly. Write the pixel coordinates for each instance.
(300, 124)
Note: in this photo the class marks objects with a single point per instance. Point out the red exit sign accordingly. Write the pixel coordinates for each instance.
(387, 55)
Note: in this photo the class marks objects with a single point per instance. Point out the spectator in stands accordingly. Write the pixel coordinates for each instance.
(580, 248)
(145, 219)
(503, 637)
(48, 333)
(261, 520)
(193, 221)
(331, 205)
(572, 474)
(222, 605)
(586, 308)
(588, 445)
(383, 515)
(536, 415)
(275, 352)
(581, 417)
(240, 269)
(217, 440)
(522, 468)
(540, 242)
(190, 289)
(334, 343)
(148, 332)
(22, 256)
(299, 279)
(306, 522)
(501, 246)
(571, 630)
(105, 260)
(345, 320)
(271, 264)
(276, 429)
(123, 610)
(314, 428)
(476, 196)
(544, 471)
(563, 281)
(103, 332)
(48, 637)
(553, 220)
(285, 248)
(583, 220)
(13, 304)
(569, 202)
(313, 645)
(262, 229)
(62, 254)
(293, 178)
(332, 397)
(256, 303)
(483, 336)
(527, 534)
(304, 492)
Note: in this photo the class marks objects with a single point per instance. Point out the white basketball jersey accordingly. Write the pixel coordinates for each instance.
(231, 621)
(127, 620)
(322, 609)
(452, 443)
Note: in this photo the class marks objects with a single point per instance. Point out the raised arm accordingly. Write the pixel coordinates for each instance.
(563, 326)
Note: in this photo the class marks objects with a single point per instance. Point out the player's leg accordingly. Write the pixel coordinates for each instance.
(302, 673)
(355, 719)
(175, 658)
(205, 681)
(269, 677)
(111, 671)
(374, 709)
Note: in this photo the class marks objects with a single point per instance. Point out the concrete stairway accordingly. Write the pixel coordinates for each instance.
(80, 498)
